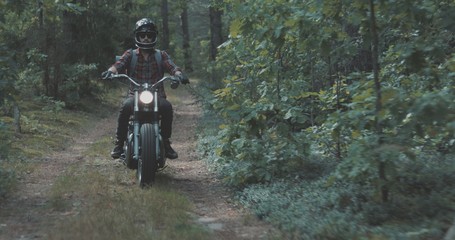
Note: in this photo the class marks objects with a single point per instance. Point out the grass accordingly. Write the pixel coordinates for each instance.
(42, 131)
(106, 204)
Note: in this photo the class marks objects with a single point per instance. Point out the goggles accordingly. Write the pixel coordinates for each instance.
(150, 35)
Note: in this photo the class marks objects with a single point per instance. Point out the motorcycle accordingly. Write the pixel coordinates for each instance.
(144, 148)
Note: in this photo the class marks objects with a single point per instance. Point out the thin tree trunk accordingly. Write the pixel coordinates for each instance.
(17, 118)
(56, 81)
(186, 39)
(47, 68)
(216, 39)
(313, 89)
(45, 47)
(337, 83)
(377, 84)
(216, 36)
(40, 13)
(165, 25)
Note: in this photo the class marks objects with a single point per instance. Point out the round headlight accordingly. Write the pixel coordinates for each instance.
(146, 97)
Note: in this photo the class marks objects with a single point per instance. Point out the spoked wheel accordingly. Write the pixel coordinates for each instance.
(147, 164)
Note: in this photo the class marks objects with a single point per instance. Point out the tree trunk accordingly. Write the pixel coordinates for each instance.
(377, 84)
(216, 35)
(216, 39)
(47, 68)
(40, 13)
(186, 39)
(337, 83)
(56, 81)
(17, 118)
(44, 46)
(165, 25)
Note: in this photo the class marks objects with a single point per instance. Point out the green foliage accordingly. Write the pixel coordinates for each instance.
(51, 105)
(296, 75)
(58, 45)
(299, 82)
(7, 74)
(7, 95)
(298, 209)
(262, 103)
(309, 208)
(30, 77)
(77, 82)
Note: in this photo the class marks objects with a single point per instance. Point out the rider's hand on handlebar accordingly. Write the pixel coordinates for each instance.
(107, 75)
(183, 78)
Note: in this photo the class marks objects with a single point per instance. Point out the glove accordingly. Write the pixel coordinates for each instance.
(107, 75)
(183, 78)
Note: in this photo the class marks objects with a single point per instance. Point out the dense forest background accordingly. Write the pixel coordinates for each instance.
(333, 119)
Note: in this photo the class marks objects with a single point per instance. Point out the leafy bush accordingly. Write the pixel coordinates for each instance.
(301, 80)
(318, 209)
(77, 82)
(51, 105)
(306, 210)
(311, 203)
(76, 79)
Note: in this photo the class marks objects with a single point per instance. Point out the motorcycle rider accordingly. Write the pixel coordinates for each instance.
(146, 69)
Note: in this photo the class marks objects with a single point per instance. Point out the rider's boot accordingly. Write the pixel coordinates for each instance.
(170, 153)
(118, 149)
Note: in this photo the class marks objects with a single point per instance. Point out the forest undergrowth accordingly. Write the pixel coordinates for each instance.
(336, 119)
(309, 204)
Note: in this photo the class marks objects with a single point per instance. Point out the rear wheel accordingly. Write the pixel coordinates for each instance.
(148, 158)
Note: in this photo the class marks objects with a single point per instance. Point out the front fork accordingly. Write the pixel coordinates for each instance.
(136, 126)
(156, 126)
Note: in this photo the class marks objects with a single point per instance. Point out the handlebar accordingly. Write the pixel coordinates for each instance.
(175, 81)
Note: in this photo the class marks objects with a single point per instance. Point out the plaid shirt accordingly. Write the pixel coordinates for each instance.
(146, 70)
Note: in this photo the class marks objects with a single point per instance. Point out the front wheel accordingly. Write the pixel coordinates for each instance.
(148, 160)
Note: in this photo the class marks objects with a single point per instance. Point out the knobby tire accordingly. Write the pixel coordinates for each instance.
(148, 160)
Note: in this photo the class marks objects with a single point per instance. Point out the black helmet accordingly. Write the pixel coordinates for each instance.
(145, 27)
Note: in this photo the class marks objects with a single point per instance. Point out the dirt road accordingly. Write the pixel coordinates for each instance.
(22, 216)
